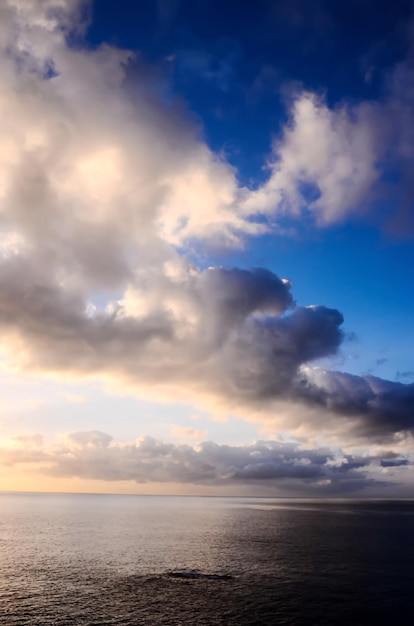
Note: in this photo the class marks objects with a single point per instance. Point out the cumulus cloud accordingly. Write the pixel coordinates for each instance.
(94, 170)
(101, 189)
(334, 163)
(229, 336)
(326, 161)
(93, 455)
(383, 409)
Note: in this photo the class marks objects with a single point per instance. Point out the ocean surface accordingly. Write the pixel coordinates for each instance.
(95, 559)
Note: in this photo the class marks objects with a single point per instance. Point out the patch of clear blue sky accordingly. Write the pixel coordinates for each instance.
(231, 61)
(232, 64)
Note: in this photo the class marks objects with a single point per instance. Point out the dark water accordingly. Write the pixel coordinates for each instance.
(89, 560)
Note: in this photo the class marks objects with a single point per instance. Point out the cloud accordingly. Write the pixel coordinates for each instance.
(383, 409)
(93, 455)
(28, 441)
(187, 433)
(326, 161)
(394, 462)
(97, 175)
(231, 336)
(341, 162)
(103, 188)
(88, 439)
(404, 376)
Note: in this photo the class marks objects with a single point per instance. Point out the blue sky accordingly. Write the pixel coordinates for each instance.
(156, 154)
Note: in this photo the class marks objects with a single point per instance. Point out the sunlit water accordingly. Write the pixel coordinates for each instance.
(89, 560)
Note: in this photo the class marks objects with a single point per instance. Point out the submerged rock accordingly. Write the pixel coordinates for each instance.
(195, 574)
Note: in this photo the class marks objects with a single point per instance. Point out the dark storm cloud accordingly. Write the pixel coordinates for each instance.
(381, 409)
(260, 361)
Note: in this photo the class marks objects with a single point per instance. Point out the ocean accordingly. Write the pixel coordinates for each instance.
(99, 559)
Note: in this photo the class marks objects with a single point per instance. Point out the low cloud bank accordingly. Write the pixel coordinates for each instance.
(93, 455)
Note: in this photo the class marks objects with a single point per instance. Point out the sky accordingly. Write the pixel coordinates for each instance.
(206, 247)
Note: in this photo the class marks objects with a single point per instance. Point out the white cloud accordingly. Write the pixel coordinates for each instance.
(325, 162)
